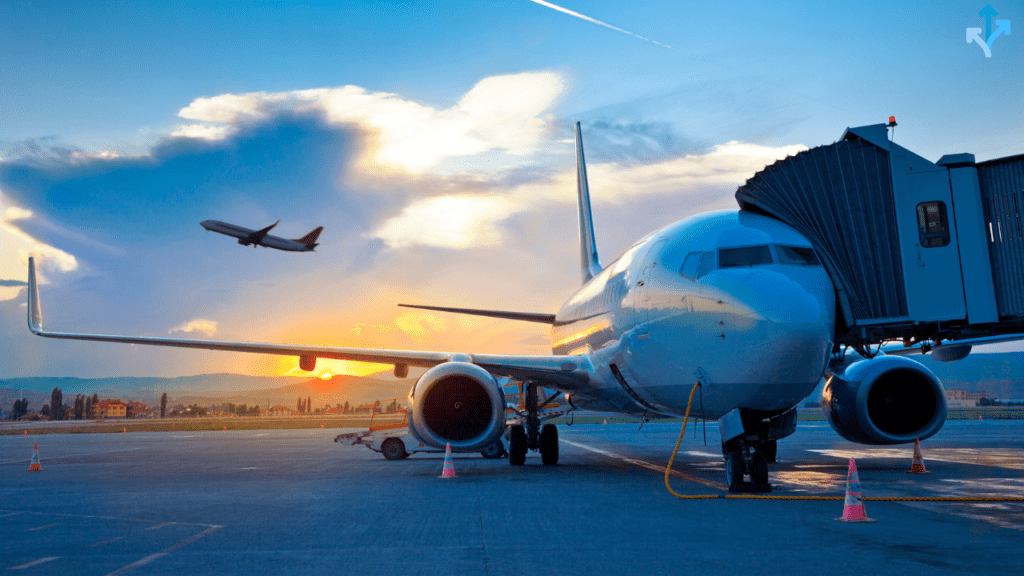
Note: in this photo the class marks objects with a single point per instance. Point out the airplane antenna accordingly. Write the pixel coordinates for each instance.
(590, 263)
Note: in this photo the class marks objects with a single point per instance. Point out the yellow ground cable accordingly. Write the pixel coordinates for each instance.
(668, 471)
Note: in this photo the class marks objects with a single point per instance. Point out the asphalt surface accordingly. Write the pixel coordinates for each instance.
(295, 502)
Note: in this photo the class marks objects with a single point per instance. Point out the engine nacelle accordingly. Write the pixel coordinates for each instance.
(457, 402)
(885, 400)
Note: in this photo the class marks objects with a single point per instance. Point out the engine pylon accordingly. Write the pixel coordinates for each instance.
(917, 466)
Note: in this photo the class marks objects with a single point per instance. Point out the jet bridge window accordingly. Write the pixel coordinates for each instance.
(797, 255)
(745, 256)
(932, 225)
(690, 265)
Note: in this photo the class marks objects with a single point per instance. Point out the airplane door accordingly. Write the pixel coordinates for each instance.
(642, 299)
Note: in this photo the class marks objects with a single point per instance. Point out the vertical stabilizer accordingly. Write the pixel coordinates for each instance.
(588, 245)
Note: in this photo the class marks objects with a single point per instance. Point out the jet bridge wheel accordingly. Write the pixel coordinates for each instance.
(393, 449)
(517, 445)
(549, 444)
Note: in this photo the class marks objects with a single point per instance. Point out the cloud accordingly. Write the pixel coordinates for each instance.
(474, 220)
(202, 326)
(500, 113)
(16, 247)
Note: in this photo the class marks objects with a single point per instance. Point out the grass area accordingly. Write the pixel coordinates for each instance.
(190, 425)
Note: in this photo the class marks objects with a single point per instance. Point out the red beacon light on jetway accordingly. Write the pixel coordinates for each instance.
(892, 121)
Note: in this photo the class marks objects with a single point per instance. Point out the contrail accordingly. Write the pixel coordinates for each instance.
(595, 21)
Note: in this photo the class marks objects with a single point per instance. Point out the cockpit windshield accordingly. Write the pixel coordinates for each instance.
(745, 256)
(797, 255)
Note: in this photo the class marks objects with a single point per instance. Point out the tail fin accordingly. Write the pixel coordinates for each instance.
(589, 261)
(310, 239)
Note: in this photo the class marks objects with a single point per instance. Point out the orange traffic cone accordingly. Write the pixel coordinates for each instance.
(853, 507)
(449, 468)
(225, 427)
(34, 466)
(26, 432)
(605, 420)
(321, 425)
(917, 466)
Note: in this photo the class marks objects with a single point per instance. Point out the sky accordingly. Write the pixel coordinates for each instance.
(432, 140)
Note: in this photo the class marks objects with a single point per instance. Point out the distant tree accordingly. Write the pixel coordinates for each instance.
(88, 407)
(79, 406)
(19, 409)
(45, 410)
(298, 405)
(129, 410)
(393, 406)
(309, 405)
(347, 409)
(95, 399)
(57, 404)
(163, 404)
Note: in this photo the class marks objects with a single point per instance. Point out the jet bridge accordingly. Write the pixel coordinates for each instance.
(916, 249)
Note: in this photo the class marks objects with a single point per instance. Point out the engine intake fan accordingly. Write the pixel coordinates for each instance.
(885, 400)
(457, 402)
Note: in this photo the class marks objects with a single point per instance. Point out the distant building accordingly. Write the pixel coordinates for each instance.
(115, 409)
(963, 399)
(280, 411)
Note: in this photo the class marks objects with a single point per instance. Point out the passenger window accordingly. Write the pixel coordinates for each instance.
(797, 255)
(690, 265)
(707, 264)
(932, 225)
(746, 256)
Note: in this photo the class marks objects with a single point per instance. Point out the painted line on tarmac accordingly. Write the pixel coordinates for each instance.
(159, 526)
(73, 455)
(158, 555)
(650, 466)
(34, 563)
(44, 526)
(9, 514)
(102, 542)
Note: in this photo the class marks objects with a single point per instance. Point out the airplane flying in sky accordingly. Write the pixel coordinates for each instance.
(262, 237)
(735, 300)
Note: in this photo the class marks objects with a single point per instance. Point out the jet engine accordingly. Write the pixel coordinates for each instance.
(457, 402)
(885, 400)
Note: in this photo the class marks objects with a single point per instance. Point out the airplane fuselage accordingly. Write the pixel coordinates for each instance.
(247, 237)
(757, 317)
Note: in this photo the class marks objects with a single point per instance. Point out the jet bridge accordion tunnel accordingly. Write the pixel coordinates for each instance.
(916, 249)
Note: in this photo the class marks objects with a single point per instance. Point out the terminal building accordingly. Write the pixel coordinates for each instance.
(917, 250)
(964, 399)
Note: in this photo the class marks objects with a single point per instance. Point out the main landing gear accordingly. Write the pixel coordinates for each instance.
(532, 436)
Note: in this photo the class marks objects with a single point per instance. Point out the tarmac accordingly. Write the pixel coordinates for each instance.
(295, 502)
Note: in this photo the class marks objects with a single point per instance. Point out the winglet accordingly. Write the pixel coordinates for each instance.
(35, 315)
(589, 261)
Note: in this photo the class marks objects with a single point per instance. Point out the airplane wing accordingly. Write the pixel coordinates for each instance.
(563, 373)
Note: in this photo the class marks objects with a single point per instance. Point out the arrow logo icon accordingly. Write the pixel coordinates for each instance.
(1002, 27)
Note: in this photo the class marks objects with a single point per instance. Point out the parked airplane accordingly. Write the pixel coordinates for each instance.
(261, 237)
(735, 300)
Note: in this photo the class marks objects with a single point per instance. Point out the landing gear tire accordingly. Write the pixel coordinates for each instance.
(496, 450)
(769, 449)
(549, 444)
(733, 469)
(393, 449)
(759, 468)
(517, 445)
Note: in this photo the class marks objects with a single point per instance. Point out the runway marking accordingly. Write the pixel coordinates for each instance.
(20, 460)
(158, 555)
(9, 514)
(44, 526)
(158, 526)
(650, 466)
(250, 468)
(102, 542)
(34, 563)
